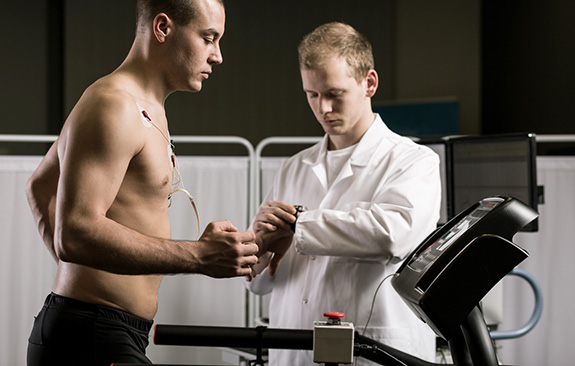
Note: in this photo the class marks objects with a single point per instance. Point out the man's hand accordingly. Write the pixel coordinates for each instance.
(225, 252)
(275, 264)
(272, 227)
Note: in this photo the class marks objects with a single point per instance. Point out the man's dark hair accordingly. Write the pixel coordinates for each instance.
(182, 12)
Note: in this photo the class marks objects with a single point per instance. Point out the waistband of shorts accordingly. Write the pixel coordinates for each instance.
(103, 311)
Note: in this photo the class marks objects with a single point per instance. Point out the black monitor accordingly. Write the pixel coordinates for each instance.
(488, 165)
(439, 146)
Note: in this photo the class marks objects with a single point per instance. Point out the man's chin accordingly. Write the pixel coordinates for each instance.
(192, 88)
(331, 130)
(196, 87)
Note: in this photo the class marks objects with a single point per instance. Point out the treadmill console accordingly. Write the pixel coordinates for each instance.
(444, 279)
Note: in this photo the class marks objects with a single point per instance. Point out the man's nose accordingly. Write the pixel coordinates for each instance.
(325, 105)
(216, 57)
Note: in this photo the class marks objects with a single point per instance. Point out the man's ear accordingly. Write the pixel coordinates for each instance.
(372, 81)
(162, 27)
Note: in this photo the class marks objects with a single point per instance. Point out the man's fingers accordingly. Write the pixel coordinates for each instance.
(224, 225)
(275, 264)
(281, 205)
(273, 221)
(264, 226)
(249, 250)
(246, 237)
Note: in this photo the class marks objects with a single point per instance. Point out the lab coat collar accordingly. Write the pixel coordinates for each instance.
(363, 152)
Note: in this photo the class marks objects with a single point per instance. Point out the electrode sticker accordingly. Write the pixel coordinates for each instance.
(146, 120)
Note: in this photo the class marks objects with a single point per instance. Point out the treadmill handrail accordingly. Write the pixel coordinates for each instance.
(537, 311)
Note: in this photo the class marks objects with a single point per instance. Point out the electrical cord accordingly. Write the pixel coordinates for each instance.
(373, 301)
(371, 312)
(178, 186)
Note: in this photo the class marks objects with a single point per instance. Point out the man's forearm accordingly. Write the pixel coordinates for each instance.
(109, 246)
(42, 205)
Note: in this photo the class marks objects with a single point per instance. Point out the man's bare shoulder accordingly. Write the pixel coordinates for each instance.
(106, 110)
(108, 95)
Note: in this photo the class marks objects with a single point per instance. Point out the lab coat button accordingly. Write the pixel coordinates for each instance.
(304, 301)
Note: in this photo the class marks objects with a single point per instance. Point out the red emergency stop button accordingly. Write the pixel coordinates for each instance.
(333, 317)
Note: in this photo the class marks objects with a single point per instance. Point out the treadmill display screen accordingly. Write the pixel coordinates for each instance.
(420, 262)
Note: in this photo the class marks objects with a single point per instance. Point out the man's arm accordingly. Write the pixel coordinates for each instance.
(400, 214)
(41, 193)
(99, 147)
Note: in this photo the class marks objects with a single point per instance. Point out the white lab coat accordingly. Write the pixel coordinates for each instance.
(385, 201)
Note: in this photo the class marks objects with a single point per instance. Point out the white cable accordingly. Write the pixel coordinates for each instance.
(373, 301)
(371, 312)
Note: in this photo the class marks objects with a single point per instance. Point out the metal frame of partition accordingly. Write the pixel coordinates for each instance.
(255, 302)
(180, 139)
(251, 157)
(275, 141)
(28, 138)
(555, 138)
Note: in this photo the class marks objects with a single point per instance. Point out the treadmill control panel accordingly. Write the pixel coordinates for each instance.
(449, 273)
(422, 260)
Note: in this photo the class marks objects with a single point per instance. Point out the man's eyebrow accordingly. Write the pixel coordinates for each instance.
(332, 90)
(211, 32)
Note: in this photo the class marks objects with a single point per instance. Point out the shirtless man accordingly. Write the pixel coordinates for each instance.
(100, 196)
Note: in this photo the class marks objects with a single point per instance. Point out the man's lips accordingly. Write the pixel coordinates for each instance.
(328, 121)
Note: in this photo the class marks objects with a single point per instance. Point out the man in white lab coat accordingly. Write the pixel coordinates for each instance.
(371, 197)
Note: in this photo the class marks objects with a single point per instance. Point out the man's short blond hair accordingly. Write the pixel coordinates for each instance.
(336, 39)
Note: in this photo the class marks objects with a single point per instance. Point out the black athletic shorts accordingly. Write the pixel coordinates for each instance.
(72, 332)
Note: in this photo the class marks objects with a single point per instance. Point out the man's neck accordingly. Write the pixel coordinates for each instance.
(337, 142)
(143, 68)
